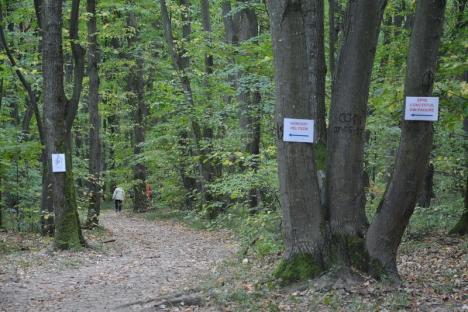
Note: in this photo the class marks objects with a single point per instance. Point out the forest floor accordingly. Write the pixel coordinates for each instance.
(433, 268)
(130, 261)
(139, 265)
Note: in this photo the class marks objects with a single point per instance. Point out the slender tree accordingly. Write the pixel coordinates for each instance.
(94, 183)
(385, 233)
(249, 96)
(181, 62)
(136, 85)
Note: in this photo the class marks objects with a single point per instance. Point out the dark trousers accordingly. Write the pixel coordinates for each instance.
(118, 205)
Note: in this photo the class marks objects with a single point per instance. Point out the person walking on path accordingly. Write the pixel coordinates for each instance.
(118, 197)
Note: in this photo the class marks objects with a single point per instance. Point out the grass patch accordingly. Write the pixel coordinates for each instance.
(8, 248)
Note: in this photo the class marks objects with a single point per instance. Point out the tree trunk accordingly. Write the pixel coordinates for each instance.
(385, 233)
(230, 26)
(315, 29)
(208, 162)
(47, 219)
(59, 114)
(332, 34)
(346, 138)
(249, 98)
(180, 61)
(136, 85)
(94, 182)
(296, 97)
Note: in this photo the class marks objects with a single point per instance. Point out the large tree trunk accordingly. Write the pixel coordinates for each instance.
(303, 217)
(136, 84)
(59, 114)
(384, 235)
(345, 191)
(94, 182)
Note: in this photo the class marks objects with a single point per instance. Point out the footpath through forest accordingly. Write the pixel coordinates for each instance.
(147, 260)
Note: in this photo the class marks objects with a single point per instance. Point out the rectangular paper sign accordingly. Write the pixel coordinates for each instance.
(422, 108)
(58, 163)
(298, 130)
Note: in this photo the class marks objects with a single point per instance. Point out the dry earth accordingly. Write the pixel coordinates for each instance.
(146, 260)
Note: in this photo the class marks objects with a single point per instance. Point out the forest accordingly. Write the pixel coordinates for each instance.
(233, 155)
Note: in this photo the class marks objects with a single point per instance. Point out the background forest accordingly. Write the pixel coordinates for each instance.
(186, 104)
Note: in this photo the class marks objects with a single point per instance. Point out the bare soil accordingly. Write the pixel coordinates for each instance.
(147, 260)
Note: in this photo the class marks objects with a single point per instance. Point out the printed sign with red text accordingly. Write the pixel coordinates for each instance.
(298, 130)
(422, 108)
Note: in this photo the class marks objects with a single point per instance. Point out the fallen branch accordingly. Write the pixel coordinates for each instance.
(172, 300)
(109, 241)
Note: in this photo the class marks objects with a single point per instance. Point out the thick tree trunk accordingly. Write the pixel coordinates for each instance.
(94, 182)
(346, 138)
(303, 216)
(136, 84)
(59, 114)
(385, 233)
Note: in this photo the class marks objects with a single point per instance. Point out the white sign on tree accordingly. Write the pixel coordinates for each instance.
(422, 108)
(298, 130)
(58, 163)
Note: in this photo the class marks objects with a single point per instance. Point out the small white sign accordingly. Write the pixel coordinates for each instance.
(298, 130)
(58, 163)
(422, 108)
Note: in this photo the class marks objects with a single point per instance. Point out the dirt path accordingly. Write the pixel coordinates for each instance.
(147, 260)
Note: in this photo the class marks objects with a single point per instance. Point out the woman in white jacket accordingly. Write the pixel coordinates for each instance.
(118, 197)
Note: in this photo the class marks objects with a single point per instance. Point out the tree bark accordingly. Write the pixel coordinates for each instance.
(59, 114)
(315, 29)
(385, 233)
(296, 98)
(426, 192)
(331, 38)
(94, 182)
(346, 138)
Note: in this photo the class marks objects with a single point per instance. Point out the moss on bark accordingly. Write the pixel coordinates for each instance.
(298, 268)
(348, 250)
(67, 229)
